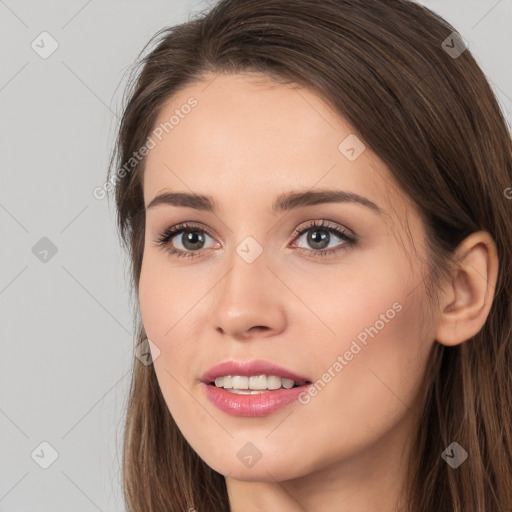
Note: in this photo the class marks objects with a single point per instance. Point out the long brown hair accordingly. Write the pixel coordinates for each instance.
(432, 118)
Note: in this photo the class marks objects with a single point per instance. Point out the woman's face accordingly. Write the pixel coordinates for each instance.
(348, 317)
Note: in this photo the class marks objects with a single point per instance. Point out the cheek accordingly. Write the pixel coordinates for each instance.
(378, 363)
(159, 301)
(369, 368)
(171, 310)
(151, 301)
(165, 298)
(377, 323)
(382, 355)
(164, 314)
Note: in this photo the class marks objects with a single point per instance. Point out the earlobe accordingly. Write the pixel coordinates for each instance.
(468, 297)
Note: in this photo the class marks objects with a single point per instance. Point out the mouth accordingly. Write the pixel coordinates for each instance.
(253, 388)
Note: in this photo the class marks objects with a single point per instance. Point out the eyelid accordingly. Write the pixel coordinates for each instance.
(184, 226)
(327, 225)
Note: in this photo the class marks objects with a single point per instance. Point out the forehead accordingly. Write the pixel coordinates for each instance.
(247, 139)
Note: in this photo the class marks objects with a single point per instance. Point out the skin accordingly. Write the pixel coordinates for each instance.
(247, 141)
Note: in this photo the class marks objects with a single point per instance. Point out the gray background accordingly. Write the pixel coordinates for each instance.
(66, 326)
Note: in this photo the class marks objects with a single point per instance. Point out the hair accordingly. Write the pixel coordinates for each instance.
(434, 120)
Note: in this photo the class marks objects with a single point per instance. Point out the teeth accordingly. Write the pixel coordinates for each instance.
(259, 382)
(240, 382)
(256, 383)
(288, 383)
(273, 382)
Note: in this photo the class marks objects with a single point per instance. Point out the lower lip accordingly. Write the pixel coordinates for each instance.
(261, 404)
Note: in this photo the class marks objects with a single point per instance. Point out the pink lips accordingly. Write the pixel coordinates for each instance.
(251, 405)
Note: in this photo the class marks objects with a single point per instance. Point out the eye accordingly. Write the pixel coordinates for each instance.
(191, 238)
(319, 237)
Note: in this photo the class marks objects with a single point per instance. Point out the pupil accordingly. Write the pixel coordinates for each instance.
(323, 239)
(192, 238)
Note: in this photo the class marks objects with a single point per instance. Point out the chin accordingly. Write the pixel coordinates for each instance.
(261, 470)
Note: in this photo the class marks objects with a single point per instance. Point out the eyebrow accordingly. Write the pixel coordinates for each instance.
(284, 202)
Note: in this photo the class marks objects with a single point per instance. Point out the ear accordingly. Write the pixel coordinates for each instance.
(468, 297)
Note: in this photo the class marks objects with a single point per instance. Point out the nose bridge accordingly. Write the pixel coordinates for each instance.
(247, 297)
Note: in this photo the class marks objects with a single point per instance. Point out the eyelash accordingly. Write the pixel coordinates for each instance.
(165, 237)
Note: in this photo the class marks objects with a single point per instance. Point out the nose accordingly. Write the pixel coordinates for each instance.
(249, 301)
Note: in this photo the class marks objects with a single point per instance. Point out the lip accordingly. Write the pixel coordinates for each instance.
(260, 404)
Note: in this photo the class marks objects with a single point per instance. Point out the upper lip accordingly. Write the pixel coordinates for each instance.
(250, 368)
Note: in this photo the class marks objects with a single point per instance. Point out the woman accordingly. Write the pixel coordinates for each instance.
(314, 199)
